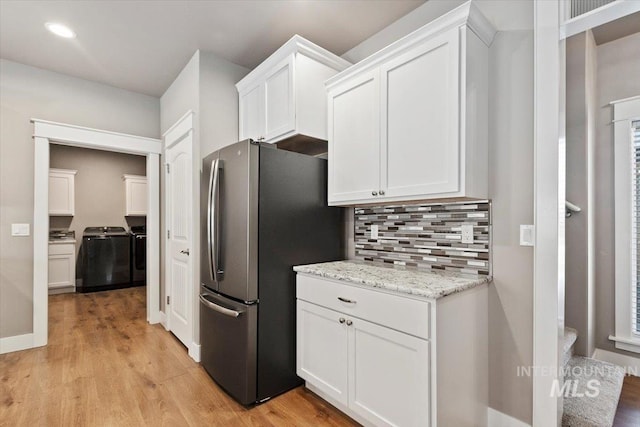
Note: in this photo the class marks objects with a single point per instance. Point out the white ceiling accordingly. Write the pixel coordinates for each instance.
(142, 45)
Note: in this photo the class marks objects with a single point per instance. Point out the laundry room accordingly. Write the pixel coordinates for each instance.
(97, 220)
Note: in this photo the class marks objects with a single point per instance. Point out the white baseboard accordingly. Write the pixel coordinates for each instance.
(16, 343)
(194, 351)
(499, 419)
(630, 364)
(163, 320)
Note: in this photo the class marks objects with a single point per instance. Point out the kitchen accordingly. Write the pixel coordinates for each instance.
(507, 207)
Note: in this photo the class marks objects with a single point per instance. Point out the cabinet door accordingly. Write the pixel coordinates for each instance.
(251, 114)
(61, 271)
(61, 194)
(420, 119)
(388, 376)
(322, 349)
(279, 101)
(354, 139)
(136, 197)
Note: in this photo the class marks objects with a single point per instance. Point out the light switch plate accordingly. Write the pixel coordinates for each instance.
(467, 233)
(527, 235)
(20, 229)
(374, 231)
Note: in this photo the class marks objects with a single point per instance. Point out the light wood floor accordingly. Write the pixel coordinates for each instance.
(105, 366)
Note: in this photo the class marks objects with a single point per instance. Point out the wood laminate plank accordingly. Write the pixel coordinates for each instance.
(106, 366)
(628, 412)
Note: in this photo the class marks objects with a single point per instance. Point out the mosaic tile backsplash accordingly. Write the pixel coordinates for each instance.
(426, 236)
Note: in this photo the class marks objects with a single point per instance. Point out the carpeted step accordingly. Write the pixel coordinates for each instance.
(586, 377)
(570, 337)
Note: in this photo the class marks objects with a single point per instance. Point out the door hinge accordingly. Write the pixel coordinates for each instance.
(168, 234)
(168, 299)
(167, 167)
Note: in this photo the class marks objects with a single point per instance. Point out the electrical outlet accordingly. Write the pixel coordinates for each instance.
(467, 233)
(374, 231)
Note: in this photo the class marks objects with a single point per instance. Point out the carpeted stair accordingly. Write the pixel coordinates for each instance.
(586, 376)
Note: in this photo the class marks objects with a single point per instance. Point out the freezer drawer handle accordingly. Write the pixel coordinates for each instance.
(219, 308)
(348, 301)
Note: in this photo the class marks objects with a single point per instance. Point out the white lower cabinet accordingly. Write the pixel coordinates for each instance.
(322, 349)
(388, 375)
(62, 267)
(388, 359)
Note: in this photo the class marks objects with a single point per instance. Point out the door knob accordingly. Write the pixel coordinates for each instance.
(382, 192)
(186, 252)
(374, 193)
(349, 323)
(341, 320)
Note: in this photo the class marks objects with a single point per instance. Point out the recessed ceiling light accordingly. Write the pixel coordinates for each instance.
(60, 30)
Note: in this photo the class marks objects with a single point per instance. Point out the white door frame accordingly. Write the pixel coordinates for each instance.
(170, 137)
(46, 132)
(548, 287)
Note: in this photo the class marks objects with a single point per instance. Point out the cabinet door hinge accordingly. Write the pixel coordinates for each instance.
(168, 234)
(168, 299)
(167, 167)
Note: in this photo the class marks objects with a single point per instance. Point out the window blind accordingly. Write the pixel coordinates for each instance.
(580, 7)
(635, 229)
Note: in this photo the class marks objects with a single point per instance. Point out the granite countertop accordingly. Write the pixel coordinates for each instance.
(432, 285)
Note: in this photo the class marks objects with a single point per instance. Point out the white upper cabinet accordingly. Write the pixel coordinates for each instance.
(410, 122)
(285, 96)
(62, 192)
(135, 194)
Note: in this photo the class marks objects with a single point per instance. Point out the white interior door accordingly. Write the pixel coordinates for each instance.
(179, 222)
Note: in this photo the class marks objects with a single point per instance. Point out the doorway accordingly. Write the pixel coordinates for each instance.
(45, 133)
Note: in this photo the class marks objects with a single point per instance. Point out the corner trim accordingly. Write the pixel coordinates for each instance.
(496, 418)
(16, 343)
(630, 364)
(194, 351)
(163, 320)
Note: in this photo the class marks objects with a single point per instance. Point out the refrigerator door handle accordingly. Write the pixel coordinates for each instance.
(212, 274)
(219, 308)
(215, 203)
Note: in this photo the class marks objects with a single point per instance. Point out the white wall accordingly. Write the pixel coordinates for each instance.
(618, 71)
(25, 93)
(511, 187)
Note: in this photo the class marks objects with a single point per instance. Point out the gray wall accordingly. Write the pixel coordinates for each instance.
(25, 93)
(618, 71)
(207, 87)
(580, 245)
(511, 189)
(99, 188)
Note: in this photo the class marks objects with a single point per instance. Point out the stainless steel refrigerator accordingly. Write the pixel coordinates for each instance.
(264, 210)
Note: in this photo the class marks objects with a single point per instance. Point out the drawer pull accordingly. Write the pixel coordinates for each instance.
(348, 301)
(341, 320)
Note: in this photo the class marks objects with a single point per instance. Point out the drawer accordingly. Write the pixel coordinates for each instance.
(62, 249)
(403, 314)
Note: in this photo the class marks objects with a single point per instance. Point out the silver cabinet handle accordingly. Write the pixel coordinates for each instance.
(382, 192)
(341, 320)
(348, 301)
(220, 309)
(349, 323)
(186, 252)
(374, 193)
